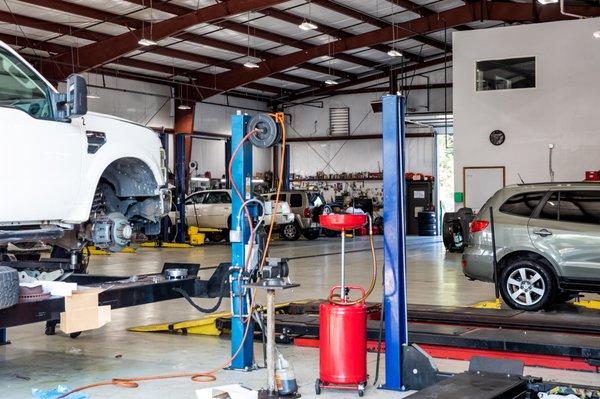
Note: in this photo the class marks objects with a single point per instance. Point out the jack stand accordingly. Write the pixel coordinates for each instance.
(271, 285)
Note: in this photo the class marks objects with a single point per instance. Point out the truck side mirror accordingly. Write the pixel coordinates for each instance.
(76, 96)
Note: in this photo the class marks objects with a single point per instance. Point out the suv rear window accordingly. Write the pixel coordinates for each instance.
(522, 204)
(295, 200)
(573, 206)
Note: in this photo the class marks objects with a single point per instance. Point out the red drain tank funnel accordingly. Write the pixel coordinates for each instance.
(343, 221)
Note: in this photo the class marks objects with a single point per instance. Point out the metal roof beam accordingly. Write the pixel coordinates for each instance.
(61, 5)
(380, 23)
(104, 51)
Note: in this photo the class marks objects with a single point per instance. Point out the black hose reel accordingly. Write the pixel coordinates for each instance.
(268, 132)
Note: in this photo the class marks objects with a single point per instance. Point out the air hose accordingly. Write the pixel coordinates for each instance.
(217, 305)
(373, 275)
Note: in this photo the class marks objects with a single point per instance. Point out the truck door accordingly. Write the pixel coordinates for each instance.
(568, 230)
(40, 157)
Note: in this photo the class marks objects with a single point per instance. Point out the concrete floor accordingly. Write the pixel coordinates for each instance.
(35, 360)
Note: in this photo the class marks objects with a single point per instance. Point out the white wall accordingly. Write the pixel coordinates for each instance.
(215, 117)
(307, 158)
(562, 109)
(128, 101)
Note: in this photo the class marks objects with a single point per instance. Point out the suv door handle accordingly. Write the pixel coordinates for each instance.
(542, 232)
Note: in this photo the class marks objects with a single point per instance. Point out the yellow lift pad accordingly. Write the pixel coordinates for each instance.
(205, 326)
(495, 304)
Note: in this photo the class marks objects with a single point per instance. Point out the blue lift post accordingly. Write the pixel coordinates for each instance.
(242, 177)
(394, 230)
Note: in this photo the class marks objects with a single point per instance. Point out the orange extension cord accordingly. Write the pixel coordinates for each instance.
(209, 376)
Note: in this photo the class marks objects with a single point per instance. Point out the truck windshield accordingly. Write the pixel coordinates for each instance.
(22, 88)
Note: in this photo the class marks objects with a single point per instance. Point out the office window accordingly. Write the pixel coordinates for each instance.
(505, 74)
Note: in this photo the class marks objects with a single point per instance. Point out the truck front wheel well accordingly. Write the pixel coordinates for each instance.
(130, 177)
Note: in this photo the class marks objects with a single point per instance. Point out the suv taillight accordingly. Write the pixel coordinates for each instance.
(306, 212)
(478, 225)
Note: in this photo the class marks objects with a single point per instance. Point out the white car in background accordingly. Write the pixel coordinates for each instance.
(212, 209)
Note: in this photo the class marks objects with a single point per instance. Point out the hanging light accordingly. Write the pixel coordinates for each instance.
(307, 25)
(250, 64)
(330, 82)
(146, 42)
(93, 96)
(597, 34)
(394, 53)
(184, 107)
(544, 2)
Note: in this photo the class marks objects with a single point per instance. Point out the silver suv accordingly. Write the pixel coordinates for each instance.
(306, 206)
(547, 243)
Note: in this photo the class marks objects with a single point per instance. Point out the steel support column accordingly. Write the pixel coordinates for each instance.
(242, 178)
(286, 168)
(3, 337)
(396, 323)
(180, 185)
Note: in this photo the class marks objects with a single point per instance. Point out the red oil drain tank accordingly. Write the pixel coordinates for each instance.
(343, 345)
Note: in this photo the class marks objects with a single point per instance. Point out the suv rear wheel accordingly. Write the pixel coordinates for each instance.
(290, 232)
(526, 284)
(312, 234)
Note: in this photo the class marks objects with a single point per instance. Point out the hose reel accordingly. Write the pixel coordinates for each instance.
(268, 128)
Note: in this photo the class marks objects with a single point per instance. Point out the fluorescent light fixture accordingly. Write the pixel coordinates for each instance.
(184, 107)
(547, 1)
(330, 82)
(394, 53)
(250, 64)
(146, 42)
(258, 181)
(223, 180)
(200, 179)
(307, 25)
(93, 96)
(597, 34)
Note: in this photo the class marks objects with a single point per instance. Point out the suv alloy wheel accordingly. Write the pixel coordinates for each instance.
(525, 284)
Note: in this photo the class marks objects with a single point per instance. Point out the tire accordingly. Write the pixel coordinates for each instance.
(9, 287)
(330, 233)
(527, 284)
(318, 386)
(312, 234)
(290, 232)
(216, 236)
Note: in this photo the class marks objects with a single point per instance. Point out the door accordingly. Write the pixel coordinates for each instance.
(194, 209)
(40, 158)
(567, 229)
(217, 209)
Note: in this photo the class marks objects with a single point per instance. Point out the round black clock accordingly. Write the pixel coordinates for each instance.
(497, 137)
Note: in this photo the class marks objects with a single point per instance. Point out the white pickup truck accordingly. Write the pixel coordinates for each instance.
(70, 176)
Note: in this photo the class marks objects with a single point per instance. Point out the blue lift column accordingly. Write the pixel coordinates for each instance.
(241, 171)
(394, 230)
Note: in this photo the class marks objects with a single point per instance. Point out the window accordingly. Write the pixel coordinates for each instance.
(196, 198)
(22, 88)
(281, 197)
(511, 73)
(339, 121)
(219, 197)
(522, 204)
(295, 200)
(580, 206)
(573, 206)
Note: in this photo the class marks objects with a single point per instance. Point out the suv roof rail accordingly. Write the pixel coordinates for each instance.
(559, 182)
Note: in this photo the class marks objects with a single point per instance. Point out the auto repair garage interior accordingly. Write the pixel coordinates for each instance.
(379, 198)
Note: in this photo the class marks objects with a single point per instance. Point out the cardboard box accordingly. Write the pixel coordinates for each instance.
(85, 319)
(82, 299)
